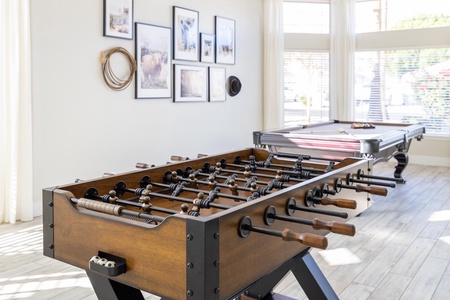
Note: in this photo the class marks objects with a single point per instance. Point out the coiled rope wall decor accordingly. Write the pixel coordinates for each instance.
(111, 79)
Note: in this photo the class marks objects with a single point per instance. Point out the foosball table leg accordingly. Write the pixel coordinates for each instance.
(307, 273)
(312, 280)
(107, 289)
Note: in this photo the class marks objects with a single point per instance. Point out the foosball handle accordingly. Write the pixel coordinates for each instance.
(178, 158)
(343, 203)
(307, 239)
(374, 190)
(335, 227)
(141, 165)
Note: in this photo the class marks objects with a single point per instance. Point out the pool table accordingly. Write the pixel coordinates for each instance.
(339, 139)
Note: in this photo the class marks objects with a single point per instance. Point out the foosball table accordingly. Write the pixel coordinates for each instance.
(225, 226)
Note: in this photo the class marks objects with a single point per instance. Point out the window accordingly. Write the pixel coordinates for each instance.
(306, 72)
(404, 86)
(302, 17)
(400, 55)
(403, 75)
(382, 15)
(306, 87)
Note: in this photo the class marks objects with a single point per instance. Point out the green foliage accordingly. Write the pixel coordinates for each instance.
(429, 76)
(400, 62)
(432, 91)
(423, 21)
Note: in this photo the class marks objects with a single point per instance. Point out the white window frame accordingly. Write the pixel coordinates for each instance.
(341, 60)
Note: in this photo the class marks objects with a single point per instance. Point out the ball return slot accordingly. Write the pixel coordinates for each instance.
(108, 264)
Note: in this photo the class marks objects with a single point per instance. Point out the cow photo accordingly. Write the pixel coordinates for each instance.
(185, 24)
(153, 52)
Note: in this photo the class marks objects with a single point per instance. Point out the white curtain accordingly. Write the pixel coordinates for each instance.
(342, 43)
(273, 64)
(16, 184)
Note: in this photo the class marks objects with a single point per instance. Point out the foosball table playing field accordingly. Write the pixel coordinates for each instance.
(225, 226)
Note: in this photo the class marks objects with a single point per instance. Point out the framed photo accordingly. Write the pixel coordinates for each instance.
(185, 37)
(217, 82)
(207, 47)
(191, 83)
(118, 18)
(153, 54)
(225, 41)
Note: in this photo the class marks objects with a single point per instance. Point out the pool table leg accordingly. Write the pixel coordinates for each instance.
(402, 159)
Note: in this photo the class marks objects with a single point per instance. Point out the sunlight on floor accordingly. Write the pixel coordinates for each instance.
(445, 239)
(339, 256)
(26, 241)
(25, 286)
(439, 216)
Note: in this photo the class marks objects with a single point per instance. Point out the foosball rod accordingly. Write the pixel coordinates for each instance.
(113, 209)
(247, 173)
(307, 239)
(112, 197)
(226, 177)
(373, 190)
(260, 164)
(169, 197)
(228, 186)
(342, 203)
(251, 185)
(271, 215)
(360, 174)
(307, 157)
(191, 190)
(291, 207)
(296, 173)
(350, 180)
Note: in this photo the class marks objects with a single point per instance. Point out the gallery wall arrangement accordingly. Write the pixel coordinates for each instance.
(178, 63)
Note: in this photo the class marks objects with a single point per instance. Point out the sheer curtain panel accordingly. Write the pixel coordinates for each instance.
(16, 184)
(273, 64)
(342, 42)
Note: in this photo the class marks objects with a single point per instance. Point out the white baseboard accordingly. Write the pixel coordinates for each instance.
(430, 160)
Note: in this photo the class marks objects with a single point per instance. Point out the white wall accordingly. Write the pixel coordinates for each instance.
(82, 128)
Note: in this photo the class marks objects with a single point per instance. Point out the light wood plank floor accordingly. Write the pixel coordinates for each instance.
(401, 250)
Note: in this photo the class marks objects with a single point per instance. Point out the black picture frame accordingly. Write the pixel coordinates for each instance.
(185, 34)
(225, 40)
(190, 83)
(153, 58)
(217, 84)
(207, 47)
(118, 18)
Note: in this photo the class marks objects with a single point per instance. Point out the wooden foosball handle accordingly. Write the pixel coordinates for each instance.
(307, 239)
(141, 165)
(335, 227)
(178, 158)
(344, 203)
(374, 190)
